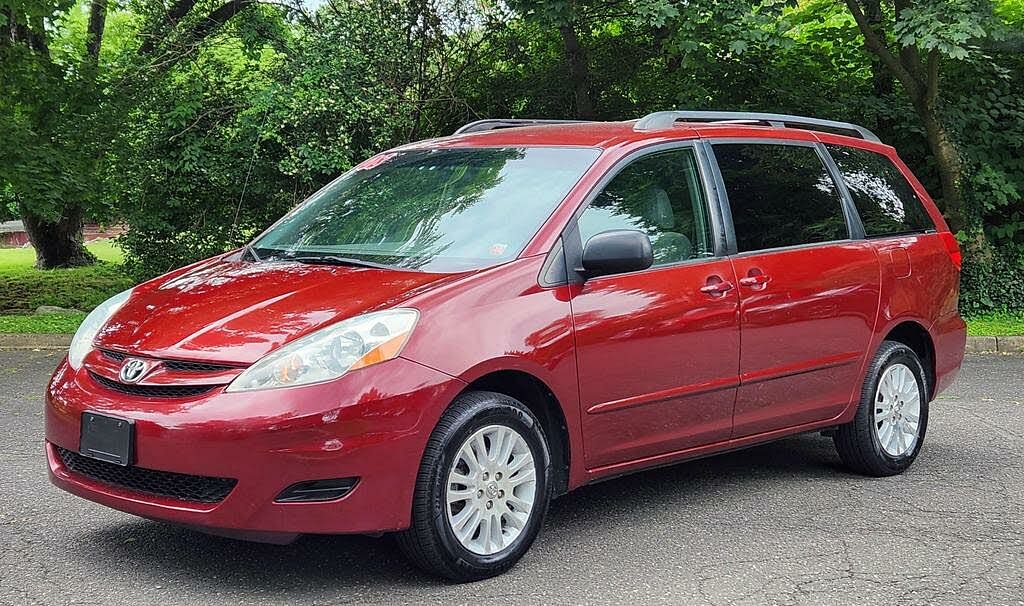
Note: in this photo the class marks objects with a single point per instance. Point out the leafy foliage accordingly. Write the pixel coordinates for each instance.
(991, 285)
(40, 162)
(188, 171)
(267, 111)
(203, 121)
(951, 27)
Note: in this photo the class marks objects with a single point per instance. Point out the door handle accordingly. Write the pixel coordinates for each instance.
(716, 286)
(755, 281)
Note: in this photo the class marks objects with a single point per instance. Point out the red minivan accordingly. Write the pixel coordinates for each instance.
(458, 330)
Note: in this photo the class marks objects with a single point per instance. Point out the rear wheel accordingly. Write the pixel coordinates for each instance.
(888, 430)
(482, 489)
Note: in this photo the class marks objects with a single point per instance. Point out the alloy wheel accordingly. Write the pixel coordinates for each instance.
(491, 489)
(897, 410)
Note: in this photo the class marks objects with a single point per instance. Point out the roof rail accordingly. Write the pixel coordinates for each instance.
(494, 124)
(663, 120)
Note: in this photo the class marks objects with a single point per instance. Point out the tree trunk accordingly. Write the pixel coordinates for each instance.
(97, 23)
(882, 78)
(57, 243)
(948, 165)
(579, 73)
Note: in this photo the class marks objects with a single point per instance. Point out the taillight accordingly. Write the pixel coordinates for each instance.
(952, 248)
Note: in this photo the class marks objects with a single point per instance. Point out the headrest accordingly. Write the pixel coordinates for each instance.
(658, 208)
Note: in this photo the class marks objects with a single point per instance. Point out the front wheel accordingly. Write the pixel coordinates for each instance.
(482, 489)
(888, 430)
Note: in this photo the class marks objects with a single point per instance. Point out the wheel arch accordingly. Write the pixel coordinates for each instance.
(541, 400)
(915, 336)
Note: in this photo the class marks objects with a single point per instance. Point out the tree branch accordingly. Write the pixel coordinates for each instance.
(174, 14)
(179, 9)
(877, 45)
(203, 28)
(908, 54)
(218, 18)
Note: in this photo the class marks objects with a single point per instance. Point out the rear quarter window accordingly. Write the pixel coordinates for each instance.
(886, 202)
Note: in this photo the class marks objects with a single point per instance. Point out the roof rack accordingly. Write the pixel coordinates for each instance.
(663, 120)
(494, 124)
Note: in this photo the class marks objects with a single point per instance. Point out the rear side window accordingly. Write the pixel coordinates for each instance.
(779, 195)
(659, 194)
(887, 204)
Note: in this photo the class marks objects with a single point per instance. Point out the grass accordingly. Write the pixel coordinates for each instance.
(996, 325)
(46, 324)
(23, 288)
(20, 259)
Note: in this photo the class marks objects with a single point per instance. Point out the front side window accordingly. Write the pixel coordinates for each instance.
(887, 204)
(659, 194)
(432, 210)
(779, 195)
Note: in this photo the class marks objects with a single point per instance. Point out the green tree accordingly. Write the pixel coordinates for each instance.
(271, 106)
(48, 103)
(917, 44)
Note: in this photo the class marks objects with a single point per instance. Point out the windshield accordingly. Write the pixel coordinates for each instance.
(431, 210)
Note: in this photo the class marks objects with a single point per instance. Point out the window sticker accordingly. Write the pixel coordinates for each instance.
(375, 161)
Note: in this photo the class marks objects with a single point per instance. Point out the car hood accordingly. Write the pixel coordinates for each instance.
(236, 312)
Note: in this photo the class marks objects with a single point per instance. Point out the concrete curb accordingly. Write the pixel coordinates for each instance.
(995, 344)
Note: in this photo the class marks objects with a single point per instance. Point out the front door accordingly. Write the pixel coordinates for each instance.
(808, 293)
(657, 350)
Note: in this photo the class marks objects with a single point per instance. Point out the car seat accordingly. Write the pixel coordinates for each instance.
(669, 246)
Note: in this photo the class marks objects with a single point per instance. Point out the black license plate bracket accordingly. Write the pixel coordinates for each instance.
(107, 438)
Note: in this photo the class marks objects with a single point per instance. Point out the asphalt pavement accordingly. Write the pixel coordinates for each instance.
(777, 524)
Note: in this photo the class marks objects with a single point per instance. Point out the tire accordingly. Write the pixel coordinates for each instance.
(431, 542)
(864, 444)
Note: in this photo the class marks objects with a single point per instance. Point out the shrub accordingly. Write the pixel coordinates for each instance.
(82, 288)
(991, 283)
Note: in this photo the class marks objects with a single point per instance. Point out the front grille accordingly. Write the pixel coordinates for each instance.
(183, 366)
(180, 486)
(177, 365)
(152, 391)
(113, 355)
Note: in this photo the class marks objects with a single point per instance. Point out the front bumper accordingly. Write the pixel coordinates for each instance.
(372, 424)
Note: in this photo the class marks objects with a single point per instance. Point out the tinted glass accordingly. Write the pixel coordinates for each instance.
(886, 202)
(660, 195)
(780, 195)
(435, 210)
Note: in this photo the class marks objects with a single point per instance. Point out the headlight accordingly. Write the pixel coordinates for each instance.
(332, 351)
(81, 344)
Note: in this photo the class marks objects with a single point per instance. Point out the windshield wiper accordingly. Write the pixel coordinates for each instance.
(336, 260)
(249, 250)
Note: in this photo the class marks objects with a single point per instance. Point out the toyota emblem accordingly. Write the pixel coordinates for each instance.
(132, 370)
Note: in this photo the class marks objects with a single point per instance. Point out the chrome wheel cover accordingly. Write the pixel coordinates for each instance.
(897, 410)
(491, 489)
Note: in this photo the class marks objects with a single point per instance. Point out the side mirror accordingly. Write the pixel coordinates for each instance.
(617, 251)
